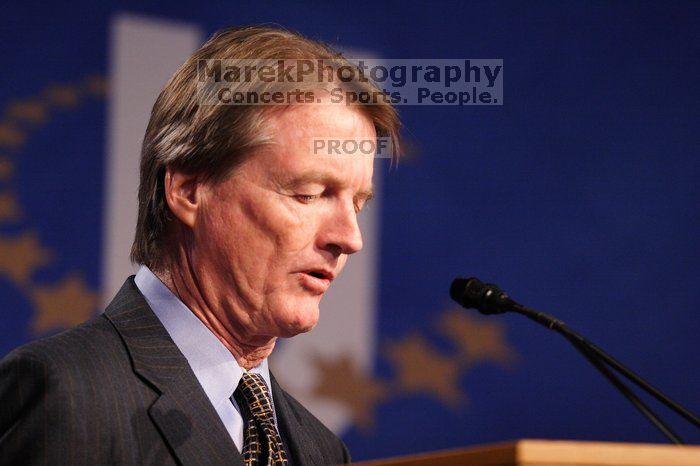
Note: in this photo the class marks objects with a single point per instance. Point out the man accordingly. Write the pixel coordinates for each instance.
(241, 229)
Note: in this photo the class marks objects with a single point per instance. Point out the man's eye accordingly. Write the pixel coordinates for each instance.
(306, 198)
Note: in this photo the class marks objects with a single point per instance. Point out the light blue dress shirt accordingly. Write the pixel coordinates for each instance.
(212, 363)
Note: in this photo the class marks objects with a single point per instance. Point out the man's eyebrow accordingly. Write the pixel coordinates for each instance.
(311, 177)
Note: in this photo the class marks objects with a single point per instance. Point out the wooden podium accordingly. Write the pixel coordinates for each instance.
(553, 453)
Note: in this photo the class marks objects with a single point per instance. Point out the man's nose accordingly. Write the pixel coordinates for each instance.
(342, 231)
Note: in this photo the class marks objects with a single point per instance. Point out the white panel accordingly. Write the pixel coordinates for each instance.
(144, 53)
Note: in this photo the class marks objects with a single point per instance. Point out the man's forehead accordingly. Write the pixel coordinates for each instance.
(309, 119)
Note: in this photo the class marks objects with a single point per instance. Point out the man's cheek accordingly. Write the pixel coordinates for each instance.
(301, 223)
(299, 238)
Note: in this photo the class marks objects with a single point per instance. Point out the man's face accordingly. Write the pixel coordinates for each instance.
(269, 239)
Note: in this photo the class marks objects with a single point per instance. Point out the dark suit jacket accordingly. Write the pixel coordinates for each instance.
(116, 390)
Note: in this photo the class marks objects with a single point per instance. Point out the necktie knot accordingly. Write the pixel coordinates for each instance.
(262, 442)
(253, 393)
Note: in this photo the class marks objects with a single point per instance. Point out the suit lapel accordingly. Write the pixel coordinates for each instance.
(182, 412)
(303, 449)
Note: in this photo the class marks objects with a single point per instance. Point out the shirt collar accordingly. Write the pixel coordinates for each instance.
(213, 364)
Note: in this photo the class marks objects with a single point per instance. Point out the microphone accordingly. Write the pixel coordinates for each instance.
(484, 297)
(489, 299)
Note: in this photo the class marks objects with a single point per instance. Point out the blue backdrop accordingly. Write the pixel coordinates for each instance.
(579, 196)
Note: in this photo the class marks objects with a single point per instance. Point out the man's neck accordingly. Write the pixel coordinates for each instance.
(248, 352)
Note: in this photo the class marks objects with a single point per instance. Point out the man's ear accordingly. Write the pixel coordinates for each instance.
(183, 193)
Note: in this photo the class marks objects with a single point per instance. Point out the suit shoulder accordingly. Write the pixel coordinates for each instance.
(91, 342)
(55, 392)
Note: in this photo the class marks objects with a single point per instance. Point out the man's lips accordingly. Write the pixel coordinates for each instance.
(323, 274)
(316, 280)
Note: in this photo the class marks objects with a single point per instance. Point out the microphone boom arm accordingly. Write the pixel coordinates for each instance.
(629, 394)
(489, 299)
(579, 341)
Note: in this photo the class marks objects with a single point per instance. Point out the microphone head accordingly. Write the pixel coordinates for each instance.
(466, 290)
(484, 297)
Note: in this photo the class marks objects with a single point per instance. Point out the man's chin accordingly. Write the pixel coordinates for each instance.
(292, 332)
(299, 323)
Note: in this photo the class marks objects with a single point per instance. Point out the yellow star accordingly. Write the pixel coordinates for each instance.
(341, 380)
(64, 305)
(62, 96)
(6, 168)
(422, 369)
(478, 339)
(10, 136)
(21, 256)
(8, 208)
(31, 111)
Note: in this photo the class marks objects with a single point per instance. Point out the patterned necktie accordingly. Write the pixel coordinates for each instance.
(262, 444)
